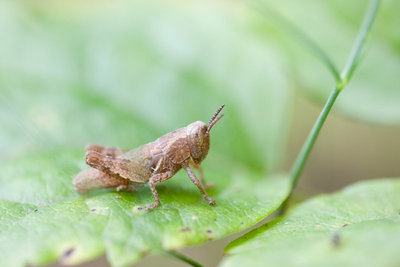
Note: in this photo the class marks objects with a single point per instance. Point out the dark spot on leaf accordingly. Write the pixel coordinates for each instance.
(140, 208)
(209, 231)
(293, 230)
(66, 255)
(35, 210)
(335, 240)
(93, 210)
(266, 225)
(68, 252)
(241, 222)
(215, 219)
(346, 224)
(185, 229)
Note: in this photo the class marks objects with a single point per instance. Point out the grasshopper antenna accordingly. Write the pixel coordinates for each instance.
(214, 119)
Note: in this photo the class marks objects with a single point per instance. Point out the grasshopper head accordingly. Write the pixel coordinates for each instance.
(199, 136)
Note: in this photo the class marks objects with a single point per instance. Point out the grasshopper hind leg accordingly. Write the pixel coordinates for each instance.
(107, 151)
(97, 177)
(92, 179)
(124, 168)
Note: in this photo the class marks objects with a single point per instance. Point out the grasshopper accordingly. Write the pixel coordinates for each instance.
(153, 162)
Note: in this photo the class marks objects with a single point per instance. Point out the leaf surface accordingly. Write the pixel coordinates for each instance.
(358, 226)
(122, 75)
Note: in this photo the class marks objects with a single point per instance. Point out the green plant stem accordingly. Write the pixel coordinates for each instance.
(308, 42)
(346, 75)
(184, 258)
(299, 163)
(360, 40)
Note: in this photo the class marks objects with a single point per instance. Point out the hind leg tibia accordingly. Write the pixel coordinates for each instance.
(91, 179)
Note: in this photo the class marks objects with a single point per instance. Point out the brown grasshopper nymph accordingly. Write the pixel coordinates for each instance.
(154, 162)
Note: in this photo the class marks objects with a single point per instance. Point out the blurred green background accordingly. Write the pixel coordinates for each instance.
(124, 73)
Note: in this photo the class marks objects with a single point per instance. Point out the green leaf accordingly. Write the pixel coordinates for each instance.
(123, 75)
(358, 226)
(372, 95)
(43, 219)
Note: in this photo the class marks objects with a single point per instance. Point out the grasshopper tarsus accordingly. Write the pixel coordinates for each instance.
(150, 206)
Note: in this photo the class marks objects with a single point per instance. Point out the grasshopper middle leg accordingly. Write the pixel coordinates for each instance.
(155, 179)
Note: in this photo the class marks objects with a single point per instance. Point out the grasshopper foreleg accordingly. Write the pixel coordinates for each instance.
(194, 179)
